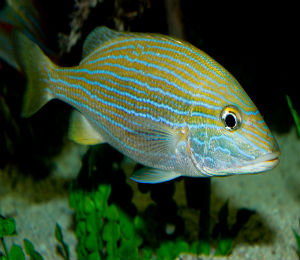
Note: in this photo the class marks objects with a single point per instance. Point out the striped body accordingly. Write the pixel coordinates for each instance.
(165, 104)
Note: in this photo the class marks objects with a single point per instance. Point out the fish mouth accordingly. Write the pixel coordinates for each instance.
(261, 164)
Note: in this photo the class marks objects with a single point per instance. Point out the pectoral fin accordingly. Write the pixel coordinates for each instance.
(150, 175)
(157, 137)
(82, 132)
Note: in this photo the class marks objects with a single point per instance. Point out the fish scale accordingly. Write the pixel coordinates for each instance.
(156, 99)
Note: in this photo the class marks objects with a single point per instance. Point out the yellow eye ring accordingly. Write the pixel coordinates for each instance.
(231, 117)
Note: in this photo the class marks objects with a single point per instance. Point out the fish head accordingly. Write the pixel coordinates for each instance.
(231, 137)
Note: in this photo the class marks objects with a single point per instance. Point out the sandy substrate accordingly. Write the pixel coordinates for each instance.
(274, 196)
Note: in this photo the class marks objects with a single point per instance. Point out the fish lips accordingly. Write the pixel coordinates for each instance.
(261, 164)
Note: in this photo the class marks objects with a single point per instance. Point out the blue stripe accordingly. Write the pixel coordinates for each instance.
(143, 115)
(159, 55)
(148, 87)
(254, 136)
(195, 86)
(173, 43)
(231, 141)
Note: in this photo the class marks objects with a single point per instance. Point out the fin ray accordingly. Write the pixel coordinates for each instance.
(81, 131)
(98, 37)
(150, 175)
(157, 137)
(36, 66)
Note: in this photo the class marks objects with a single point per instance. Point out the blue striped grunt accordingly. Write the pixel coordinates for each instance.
(156, 99)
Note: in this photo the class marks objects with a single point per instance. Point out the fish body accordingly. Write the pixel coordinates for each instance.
(156, 99)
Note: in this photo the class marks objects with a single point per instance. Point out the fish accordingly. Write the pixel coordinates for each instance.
(158, 100)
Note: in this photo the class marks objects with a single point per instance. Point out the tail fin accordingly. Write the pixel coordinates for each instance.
(36, 67)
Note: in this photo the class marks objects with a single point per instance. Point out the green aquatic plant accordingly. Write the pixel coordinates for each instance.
(31, 252)
(104, 231)
(171, 250)
(297, 123)
(297, 237)
(225, 246)
(225, 233)
(63, 248)
(294, 114)
(8, 228)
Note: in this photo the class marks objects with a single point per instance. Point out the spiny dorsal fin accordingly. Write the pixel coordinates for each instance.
(82, 132)
(98, 37)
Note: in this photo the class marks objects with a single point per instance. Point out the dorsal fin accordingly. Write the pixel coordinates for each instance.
(98, 37)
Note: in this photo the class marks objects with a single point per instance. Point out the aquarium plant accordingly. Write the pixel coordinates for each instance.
(63, 246)
(104, 231)
(8, 228)
(294, 114)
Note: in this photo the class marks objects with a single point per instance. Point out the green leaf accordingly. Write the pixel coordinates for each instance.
(91, 242)
(7, 227)
(200, 247)
(80, 229)
(29, 249)
(94, 256)
(89, 205)
(147, 253)
(16, 252)
(128, 250)
(75, 197)
(81, 249)
(111, 234)
(111, 231)
(60, 238)
(127, 226)
(181, 247)
(103, 193)
(166, 251)
(298, 241)
(58, 233)
(139, 223)
(294, 114)
(225, 246)
(112, 212)
(92, 222)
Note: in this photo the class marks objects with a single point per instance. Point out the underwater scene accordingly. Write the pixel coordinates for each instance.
(148, 129)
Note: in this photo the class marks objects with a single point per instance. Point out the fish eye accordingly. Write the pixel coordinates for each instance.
(231, 117)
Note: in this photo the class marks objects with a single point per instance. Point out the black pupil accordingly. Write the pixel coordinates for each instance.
(230, 121)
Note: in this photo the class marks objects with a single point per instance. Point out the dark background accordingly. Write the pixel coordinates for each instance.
(256, 42)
